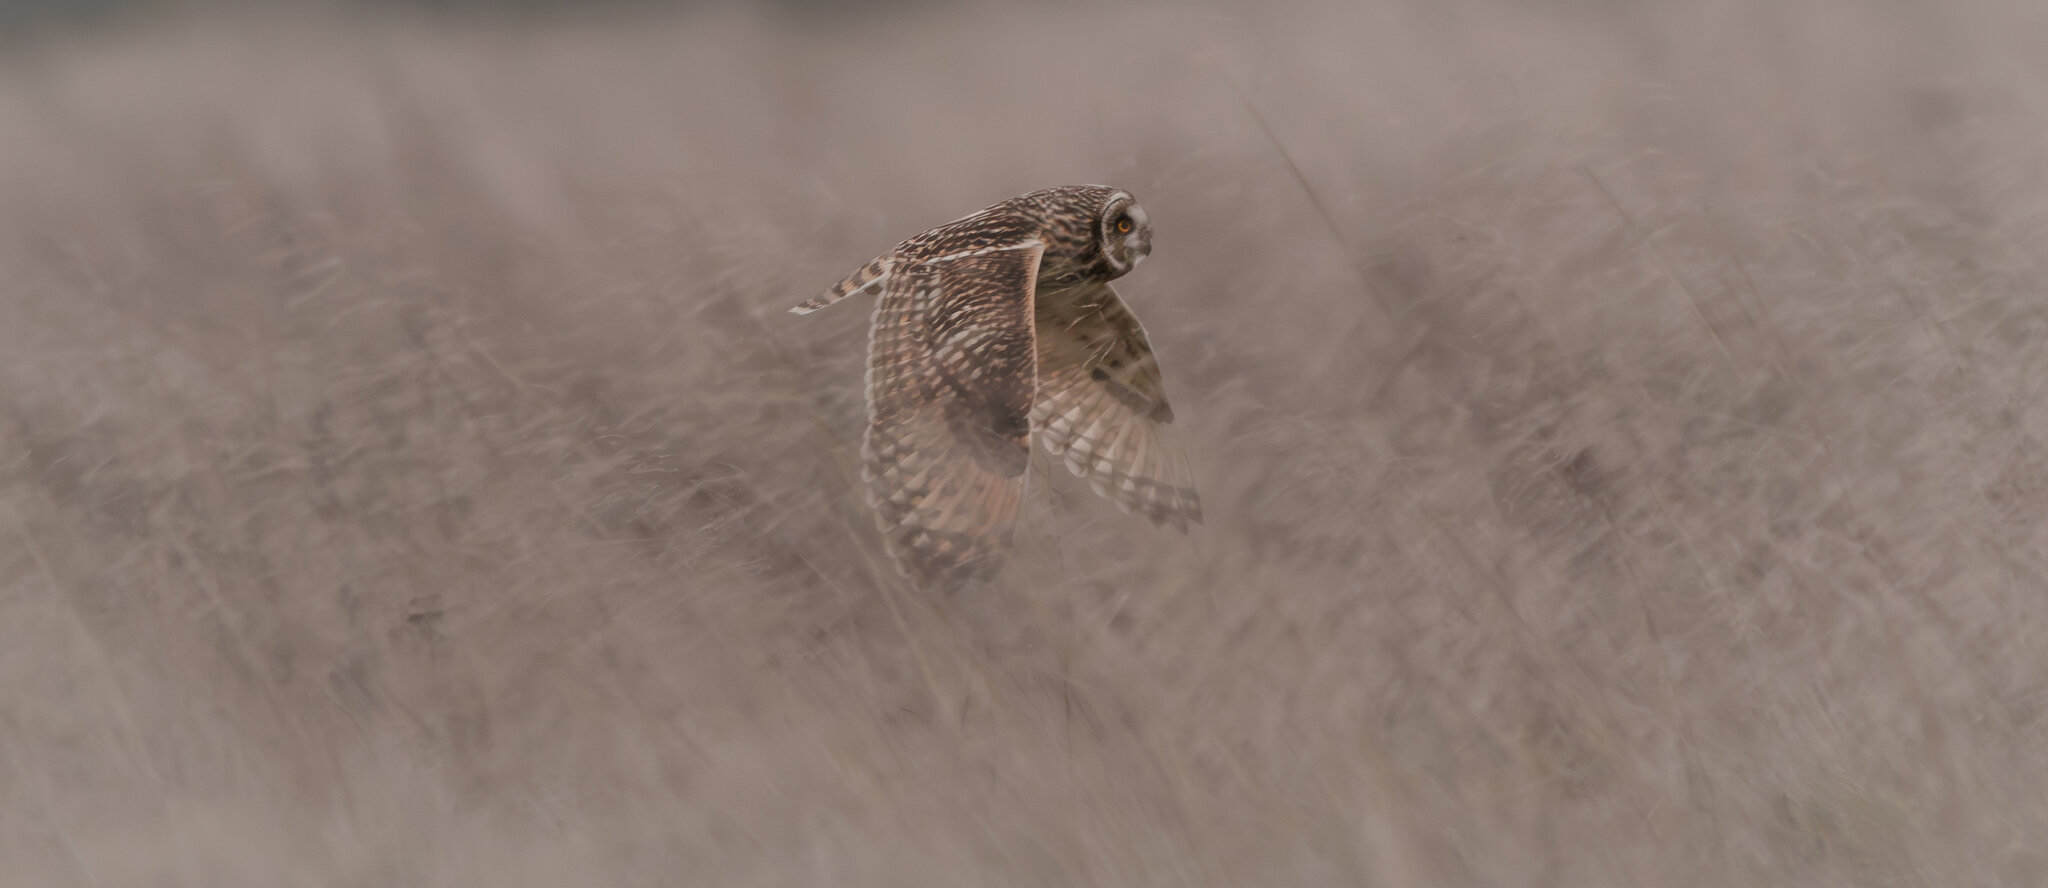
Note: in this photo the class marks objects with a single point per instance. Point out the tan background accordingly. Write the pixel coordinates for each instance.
(408, 475)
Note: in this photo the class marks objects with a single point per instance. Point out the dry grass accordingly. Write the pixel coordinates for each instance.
(408, 475)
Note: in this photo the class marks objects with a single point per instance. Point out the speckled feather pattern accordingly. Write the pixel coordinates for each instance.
(990, 330)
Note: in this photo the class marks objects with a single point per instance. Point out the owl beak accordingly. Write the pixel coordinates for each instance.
(1142, 246)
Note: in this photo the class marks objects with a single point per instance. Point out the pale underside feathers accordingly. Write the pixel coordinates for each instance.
(1102, 405)
(968, 360)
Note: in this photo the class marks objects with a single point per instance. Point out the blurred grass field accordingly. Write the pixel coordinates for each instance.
(1620, 428)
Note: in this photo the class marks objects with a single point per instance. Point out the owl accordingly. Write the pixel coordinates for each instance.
(992, 330)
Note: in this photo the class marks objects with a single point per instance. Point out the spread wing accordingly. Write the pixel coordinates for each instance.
(1101, 405)
(951, 377)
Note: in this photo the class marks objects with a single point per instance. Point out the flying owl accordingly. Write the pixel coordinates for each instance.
(994, 329)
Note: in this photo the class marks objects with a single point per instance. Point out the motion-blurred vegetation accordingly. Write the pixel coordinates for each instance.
(33, 15)
(1620, 429)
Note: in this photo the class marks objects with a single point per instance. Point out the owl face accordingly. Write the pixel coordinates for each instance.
(1125, 232)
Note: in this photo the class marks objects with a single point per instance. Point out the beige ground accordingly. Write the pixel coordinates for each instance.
(408, 475)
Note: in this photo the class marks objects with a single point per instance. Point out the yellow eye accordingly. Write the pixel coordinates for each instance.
(1123, 225)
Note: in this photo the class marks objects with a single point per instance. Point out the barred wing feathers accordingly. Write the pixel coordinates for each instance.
(1102, 405)
(951, 379)
(870, 278)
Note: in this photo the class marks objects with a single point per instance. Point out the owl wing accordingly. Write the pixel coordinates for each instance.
(1101, 404)
(951, 377)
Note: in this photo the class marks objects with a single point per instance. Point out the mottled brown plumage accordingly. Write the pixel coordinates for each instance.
(990, 330)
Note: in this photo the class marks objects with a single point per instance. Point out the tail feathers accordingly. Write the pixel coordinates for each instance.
(869, 278)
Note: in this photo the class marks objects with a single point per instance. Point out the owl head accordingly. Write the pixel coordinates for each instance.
(1124, 232)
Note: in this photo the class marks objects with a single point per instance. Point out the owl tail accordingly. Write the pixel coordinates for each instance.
(869, 278)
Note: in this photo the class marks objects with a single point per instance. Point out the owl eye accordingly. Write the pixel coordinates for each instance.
(1123, 224)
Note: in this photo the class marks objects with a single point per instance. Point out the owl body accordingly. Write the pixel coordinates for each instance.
(991, 330)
